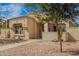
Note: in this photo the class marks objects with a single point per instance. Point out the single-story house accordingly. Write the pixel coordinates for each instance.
(28, 27)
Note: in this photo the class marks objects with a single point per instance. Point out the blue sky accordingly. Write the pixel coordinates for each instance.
(12, 10)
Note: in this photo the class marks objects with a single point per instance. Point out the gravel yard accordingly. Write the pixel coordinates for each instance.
(43, 48)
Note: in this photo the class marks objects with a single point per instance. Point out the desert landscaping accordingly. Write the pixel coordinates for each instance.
(43, 48)
(42, 29)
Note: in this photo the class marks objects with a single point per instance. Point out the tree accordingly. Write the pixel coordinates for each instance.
(56, 12)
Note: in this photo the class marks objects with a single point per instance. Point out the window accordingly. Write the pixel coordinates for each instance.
(18, 29)
(52, 28)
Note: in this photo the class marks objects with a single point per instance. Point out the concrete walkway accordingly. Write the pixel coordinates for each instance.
(16, 44)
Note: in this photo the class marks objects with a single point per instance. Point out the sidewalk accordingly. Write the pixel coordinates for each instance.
(16, 44)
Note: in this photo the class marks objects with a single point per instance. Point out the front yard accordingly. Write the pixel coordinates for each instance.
(43, 48)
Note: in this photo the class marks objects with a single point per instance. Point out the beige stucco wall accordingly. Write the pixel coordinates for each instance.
(52, 36)
(46, 35)
(23, 21)
(33, 28)
(73, 32)
(2, 34)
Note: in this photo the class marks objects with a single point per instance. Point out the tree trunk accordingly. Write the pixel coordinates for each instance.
(59, 33)
(59, 38)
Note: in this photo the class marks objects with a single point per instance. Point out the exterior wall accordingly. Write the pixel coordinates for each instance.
(73, 33)
(46, 27)
(67, 25)
(33, 29)
(52, 36)
(18, 20)
(23, 21)
(3, 33)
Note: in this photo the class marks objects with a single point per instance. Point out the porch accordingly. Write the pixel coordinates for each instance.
(50, 32)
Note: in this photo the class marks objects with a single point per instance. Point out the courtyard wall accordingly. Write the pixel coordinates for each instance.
(52, 36)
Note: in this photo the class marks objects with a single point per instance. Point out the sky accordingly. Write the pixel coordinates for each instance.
(12, 10)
